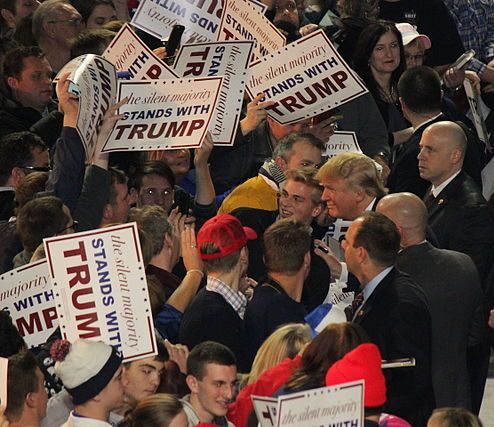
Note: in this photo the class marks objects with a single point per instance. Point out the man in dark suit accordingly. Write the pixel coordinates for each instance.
(393, 311)
(459, 217)
(421, 102)
(451, 284)
(458, 212)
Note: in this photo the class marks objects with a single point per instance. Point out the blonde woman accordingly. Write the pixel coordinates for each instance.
(286, 341)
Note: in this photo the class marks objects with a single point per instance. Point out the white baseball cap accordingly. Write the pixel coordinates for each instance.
(409, 34)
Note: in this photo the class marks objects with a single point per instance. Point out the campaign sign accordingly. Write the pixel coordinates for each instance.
(4, 363)
(341, 142)
(227, 59)
(201, 18)
(341, 405)
(242, 20)
(164, 114)
(305, 78)
(26, 293)
(100, 289)
(475, 108)
(265, 408)
(94, 80)
(127, 52)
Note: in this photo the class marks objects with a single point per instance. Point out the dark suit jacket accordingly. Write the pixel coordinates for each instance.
(210, 318)
(451, 284)
(404, 175)
(462, 222)
(397, 320)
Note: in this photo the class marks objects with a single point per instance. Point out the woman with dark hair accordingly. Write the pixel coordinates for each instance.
(95, 13)
(330, 345)
(379, 59)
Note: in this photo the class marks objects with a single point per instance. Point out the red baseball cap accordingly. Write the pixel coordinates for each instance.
(226, 233)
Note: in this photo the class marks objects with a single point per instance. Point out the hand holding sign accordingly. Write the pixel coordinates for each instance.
(68, 103)
(256, 114)
(110, 118)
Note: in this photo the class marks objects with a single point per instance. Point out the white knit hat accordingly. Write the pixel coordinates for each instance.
(85, 367)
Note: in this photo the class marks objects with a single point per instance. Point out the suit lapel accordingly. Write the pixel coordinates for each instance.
(369, 304)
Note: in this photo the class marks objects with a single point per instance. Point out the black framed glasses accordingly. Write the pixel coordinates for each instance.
(73, 226)
(72, 21)
(37, 168)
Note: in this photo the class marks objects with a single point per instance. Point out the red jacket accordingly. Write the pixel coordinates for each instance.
(266, 385)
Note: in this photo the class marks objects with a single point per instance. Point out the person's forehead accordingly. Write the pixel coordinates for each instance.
(387, 37)
(33, 63)
(296, 187)
(148, 362)
(155, 181)
(217, 372)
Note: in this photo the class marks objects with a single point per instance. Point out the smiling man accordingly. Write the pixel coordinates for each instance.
(299, 200)
(212, 380)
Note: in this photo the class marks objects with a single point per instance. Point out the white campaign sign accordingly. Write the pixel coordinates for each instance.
(265, 408)
(341, 405)
(242, 20)
(164, 114)
(201, 18)
(227, 59)
(127, 52)
(305, 78)
(95, 80)
(100, 289)
(26, 293)
(475, 109)
(341, 142)
(4, 363)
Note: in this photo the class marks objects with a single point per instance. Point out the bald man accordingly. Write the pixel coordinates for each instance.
(451, 284)
(457, 211)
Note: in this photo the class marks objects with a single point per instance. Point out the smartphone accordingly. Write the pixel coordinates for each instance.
(173, 42)
(464, 59)
(398, 363)
(182, 200)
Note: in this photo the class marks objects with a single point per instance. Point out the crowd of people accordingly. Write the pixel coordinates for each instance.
(239, 242)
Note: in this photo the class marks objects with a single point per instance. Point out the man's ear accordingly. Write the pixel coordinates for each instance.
(307, 259)
(16, 175)
(13, 82)
(316, 211)
(9, 17)
(108, 212)
(193, 383)
(30, 400)
(281, 162)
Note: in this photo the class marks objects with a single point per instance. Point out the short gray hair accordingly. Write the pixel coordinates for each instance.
(46, 11)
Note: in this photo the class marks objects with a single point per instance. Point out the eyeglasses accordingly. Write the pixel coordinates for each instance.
(73, 226)
(418, 57)
(72, 21)
(153, 192)
(290, 7)
(37, 168)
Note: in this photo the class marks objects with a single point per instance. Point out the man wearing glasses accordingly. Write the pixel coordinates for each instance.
(55, 23)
